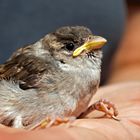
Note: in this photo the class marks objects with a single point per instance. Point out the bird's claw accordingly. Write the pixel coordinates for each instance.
(104, 106)
(52, 121)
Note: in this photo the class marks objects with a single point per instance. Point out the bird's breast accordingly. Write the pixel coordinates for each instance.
(78, 94)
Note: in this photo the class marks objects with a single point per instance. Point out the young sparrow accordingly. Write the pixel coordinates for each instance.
(52, 79)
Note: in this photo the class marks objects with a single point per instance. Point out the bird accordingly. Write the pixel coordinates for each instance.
(52, 79)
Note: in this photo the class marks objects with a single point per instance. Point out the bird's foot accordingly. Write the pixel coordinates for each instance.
(104, 106)
(53, 121)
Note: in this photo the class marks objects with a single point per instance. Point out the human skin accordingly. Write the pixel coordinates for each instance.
(124, 93)
(126, 63)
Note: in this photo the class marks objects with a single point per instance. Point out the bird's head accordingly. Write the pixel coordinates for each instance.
(75, 47)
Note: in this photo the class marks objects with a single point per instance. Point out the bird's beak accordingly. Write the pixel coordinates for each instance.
(92, 43)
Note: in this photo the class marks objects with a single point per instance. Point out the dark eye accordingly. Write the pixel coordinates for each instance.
(70, 46)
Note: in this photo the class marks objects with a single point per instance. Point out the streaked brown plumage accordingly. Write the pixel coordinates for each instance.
(48, 79)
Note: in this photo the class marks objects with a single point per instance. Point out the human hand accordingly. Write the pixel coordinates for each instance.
(126, 96)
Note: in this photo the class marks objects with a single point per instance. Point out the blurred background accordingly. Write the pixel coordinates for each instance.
(24, 22)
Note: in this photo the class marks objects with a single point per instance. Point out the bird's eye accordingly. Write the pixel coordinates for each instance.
(70, 46)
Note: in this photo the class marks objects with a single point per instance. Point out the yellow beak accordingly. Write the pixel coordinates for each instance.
(93, 42)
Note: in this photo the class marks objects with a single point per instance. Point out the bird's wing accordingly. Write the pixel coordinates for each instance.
(27, 69)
